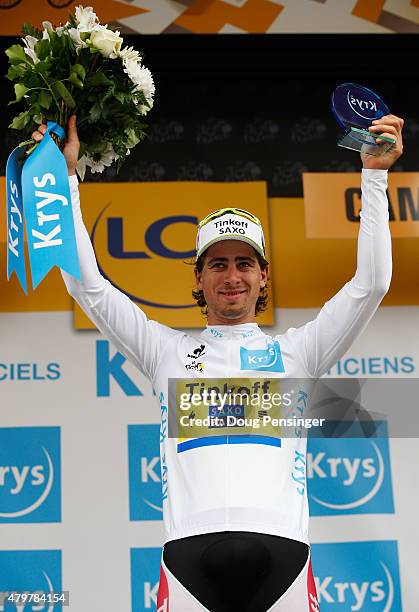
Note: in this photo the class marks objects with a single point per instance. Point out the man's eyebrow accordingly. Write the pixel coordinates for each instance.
(238, 258)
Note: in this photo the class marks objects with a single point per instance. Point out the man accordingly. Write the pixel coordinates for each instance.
(235, 512)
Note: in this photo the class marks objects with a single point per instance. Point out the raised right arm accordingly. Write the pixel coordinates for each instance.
(142, 341)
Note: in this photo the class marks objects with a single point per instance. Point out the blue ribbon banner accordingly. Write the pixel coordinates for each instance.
(15, 245)
(47, 210)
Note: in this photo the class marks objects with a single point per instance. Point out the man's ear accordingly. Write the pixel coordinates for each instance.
(264, 277)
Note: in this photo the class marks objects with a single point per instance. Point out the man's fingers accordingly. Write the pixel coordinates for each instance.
(385, 135)
(384, 128)
(398, 122)
(72, 129)
(39, 133)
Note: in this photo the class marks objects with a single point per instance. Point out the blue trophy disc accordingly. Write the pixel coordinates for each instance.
(357, 106)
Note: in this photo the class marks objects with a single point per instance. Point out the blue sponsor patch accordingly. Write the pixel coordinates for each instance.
(30, 571)
(145, 570)
(350, 475)
(30, 475)
(145, 485)
(262, 360)
(357, 576)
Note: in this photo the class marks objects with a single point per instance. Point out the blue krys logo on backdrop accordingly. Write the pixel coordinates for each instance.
(357, 576)
(30, 475)
(262, 360)
(145, 487)
(111, 368)
(145, 573)
(153, 239)
(29, 571)
(349, 475)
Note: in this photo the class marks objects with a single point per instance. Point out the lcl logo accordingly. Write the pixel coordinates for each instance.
(154, 241)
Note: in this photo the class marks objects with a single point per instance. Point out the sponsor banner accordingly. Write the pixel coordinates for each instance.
(389, 364)
(144, 236)
(111, 371)
(304, 270)
(357, 576)
(349, 476)
(332, 203)
(30, 571)
(145, 486)
(307, 283)
(145, 569)
(30, 475)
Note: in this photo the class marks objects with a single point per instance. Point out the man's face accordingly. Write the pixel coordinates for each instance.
(231, 280)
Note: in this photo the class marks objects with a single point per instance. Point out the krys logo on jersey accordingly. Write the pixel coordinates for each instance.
(30, 475)
(29, 571)
(145, 484)
(144, 233)
(363, 576)
(349, 475)
(145, 569)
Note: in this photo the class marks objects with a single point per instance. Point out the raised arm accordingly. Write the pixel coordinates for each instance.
(142, 341)
(321, 342)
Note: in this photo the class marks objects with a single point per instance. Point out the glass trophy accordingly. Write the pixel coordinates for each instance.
(355, 107)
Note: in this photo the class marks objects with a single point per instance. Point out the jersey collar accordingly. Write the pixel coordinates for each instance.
(243, 330)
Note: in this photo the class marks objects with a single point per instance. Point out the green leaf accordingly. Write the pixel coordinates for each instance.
(42, 48)
(72, 20)
(131, 138)
(15, 72)
(73, 78)
(30, 30)
(33, 79)
(16, 54)
(120, 96)
(98, 78)
(79, 70)
(20, 91)
(21, 120)
(98, 146)
(95, 113)
(41, 67)
(44, 99)
(62, 92)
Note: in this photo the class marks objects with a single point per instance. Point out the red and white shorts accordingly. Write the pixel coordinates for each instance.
(301, 595)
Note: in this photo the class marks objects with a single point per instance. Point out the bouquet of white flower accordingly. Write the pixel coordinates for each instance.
(82, 68)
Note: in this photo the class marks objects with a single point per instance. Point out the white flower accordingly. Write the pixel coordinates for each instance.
(81, 166)
(86, 18)
(129, 53)
(60, 29)
(48, 27)
(144, 109)
(76, 38)
(106, 159)
(141, 77)
(30, 42)
(108, 42)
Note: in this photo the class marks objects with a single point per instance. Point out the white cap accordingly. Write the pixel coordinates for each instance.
(230, 224)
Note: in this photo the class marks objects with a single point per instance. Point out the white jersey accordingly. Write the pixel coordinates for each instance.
(243, 483)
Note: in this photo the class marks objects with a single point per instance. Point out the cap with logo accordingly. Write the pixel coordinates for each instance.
(230, 224)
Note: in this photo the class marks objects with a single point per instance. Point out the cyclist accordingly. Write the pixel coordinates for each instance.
(235, 513)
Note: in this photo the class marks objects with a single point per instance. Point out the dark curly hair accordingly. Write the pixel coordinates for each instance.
(198, 295)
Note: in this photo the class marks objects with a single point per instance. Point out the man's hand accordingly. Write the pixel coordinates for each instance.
(71, 144)
(390, 126)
